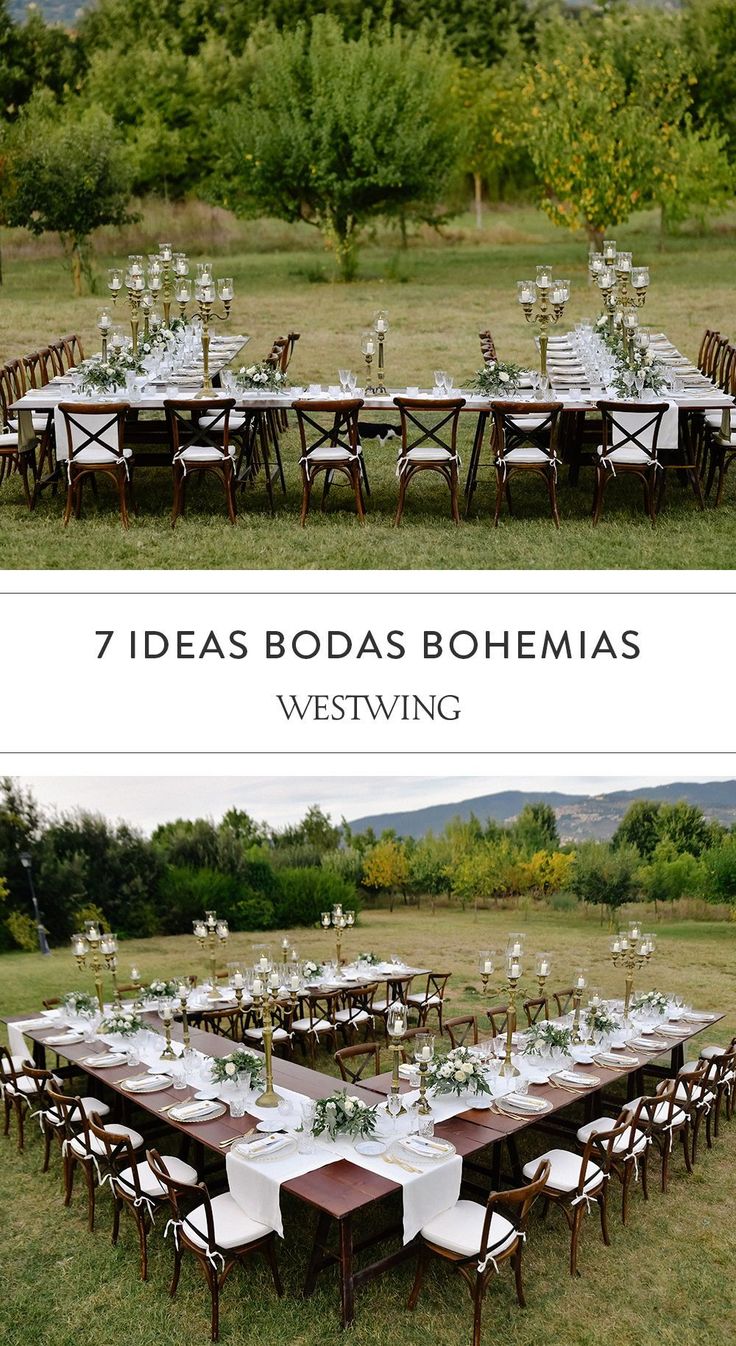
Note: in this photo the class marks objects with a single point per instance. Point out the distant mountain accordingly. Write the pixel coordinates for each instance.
(65, 12)
(579, 817)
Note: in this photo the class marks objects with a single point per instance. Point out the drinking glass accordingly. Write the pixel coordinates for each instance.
(227, 378)
(393, 1108)
(179, 1076)
(344, 376)
(425, 1124)
(521, 1084)
(237, 1104)
(447, 384)
(439, 381)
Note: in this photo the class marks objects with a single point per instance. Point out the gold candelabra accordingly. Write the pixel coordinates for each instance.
(265, 999)
(543, 303)
(423, 1055)
(135, 978)
(97, 950)
(397, 1020)
(623, 287)
(166, 1014)
(183, 993)
(577, 998)
(368, 347)
(631, 951)
(211, 934)
(104, 324)
(338, 920)
(380, 327)
(205, 291)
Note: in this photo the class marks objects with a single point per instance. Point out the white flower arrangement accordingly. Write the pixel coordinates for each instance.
(343, 1114)
(499, 378)
(79, 1002)
(161, 990)
(544, 1039)
(240, 1067)
(652, 1002)
(458, 1072)
(263, 377)
(122, 1022)
(312, 969)
(599, 1019)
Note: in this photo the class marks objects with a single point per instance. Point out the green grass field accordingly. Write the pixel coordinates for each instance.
(439, 294)
(666, 1279)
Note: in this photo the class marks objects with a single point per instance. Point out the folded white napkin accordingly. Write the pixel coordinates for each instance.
(188, 1111)
(270, 1144)
(424, 1147)
(63, 1039)
(523, 1102)
(575, 1077)
(618, 1059)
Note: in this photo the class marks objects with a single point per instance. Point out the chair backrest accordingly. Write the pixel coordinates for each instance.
(18, 378)
(42, 1079)
(718, 359)
(690, 1086)
(462, 1030)
(536, 1008)
(59, 357)
(359, 1001)
(705, 354)
(35, 367)
(436, 984)
(9, 1073)
(74, 350)
(7, 396)
(626, 1124)
(52, 1002)
(322, 1005)
(224, 1022)
(276, 352)
(50, 363)
(198, 423)
(514, 1205)
(354, 1062)
(563, 999)
(398, 987)
(198, 1192)
(600, 1149)
(95, 426)
(429, 422)
(488, 350)
(117, 1155)
(520, 425)
(631, 425)
(288, 351)
(498, 1015)
(328, 424)
(71, 1111)
(727, 369)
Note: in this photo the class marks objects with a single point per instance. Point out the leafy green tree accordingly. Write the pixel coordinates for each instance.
(709, 32)
(339, 133)
(67, 174)
(687, 828)
(386, 868)
(605, 875)
(83, 858)
(188, 843)
(719, 864)
(35, 55)
(535, 829)
(315, 831)
(670, 875)
(639, 827)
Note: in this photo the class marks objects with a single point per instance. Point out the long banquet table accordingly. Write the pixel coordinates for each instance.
(340, 1191)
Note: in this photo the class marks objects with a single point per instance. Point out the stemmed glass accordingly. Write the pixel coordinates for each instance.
(394, 1108)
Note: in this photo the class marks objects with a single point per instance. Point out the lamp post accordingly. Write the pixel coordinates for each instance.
(26, 860)
(211, 935)
(338, 920)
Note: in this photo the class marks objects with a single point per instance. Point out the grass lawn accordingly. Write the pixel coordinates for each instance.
(439, 294)
(666, 1280)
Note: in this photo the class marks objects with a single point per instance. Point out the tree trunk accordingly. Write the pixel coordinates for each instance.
(342, 236)
(595, 236)
(76, 262)
(478, 185)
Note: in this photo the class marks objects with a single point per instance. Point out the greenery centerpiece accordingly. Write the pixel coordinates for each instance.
(599, 1019)
(161, 990)
(240, 1067)
(459, 1072)
(643, 364)
(547, 1039)
(78, 1002)
(500, 378)
(123, 1023)
(343, 1114)
(263, 377)
(650, 1002)
(98, 376)
(312, 969)
(369, 959)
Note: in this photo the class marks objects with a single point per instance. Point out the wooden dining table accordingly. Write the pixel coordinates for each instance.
(342, 1191)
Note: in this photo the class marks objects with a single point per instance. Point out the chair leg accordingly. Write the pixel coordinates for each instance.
(90, 1179)
(143, 1240)
(21, 1124)
(517, 1276)
(69, 503)
(422, 1260)
(552, 488)
(269, 1252)
(402, 496)
(625, 1183)
(478, 1294)
(359, 505)
(600, 486)
(214, 1283)
(177, 1271)
(123, 500)
(644, 1170)
(116, 1209)
(70, 1165)
(230, 495)
(47, 1137)
(454, 507)
(306, 493)
(499, 497)
(685, 1133)
(574, 1237)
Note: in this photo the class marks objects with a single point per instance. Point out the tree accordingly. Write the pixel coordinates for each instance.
(386, 869)
(535, 828)
(693, 176)
(340, 132)
(315, 831)
(639, 827)
(603, 875)
(548, 871)
(68, 174)
(670, 875)
(687, 828)
(719, 865)
(709, 32)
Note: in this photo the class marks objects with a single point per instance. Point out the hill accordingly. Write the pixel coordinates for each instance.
(579, 817)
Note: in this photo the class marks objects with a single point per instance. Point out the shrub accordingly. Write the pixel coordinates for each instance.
(253, 913)
(22, 930)
(305, 893)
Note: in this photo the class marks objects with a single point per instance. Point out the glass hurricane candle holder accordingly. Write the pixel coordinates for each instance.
(423, 1055)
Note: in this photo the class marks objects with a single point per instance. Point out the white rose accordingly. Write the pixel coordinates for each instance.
(252, 369)
(355, 1100)
(503, 376)
(445, 1072)
(460, 1076)
(230, 1068)
(348, 1106)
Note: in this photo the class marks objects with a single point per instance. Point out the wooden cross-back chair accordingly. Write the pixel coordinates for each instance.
(462, 1030)
(630, 1152)
(34, 364)
(573, 1184)
(226, 1022)
(356, 1013)
(431, 999)
(695, 1095)
(362, 1058)
(563, 999)
(95, 433)
(395, 989)
(525, 443)
(134, 1185)
(74, 349)
(660, 1117)
(705, 353)
(488, 350)
(19, 1093)
(318, 1022)
(330, 442)
(475, 1240)
(199, 441)
(11, 457)
(429, 444)
(215, 1230)
(629, 449)
(720, 432)
(498, 1015)
(535, 1009)
(50, 1118)
(51, 361)
(281, 416)
(282, 1014)
(81, 1146)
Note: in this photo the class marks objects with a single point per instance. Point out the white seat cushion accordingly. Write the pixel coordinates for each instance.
(17, 1061)
(149, 1183)
(90, 1105)
(22, 1085)
(8, 441)
(203, 453)
(330, 454)
(424, 999)
(714, 418)
(236, 422)
(696, 1095)
(708, 1052)
(565, 1170)
(97, 1146)
(601, 1125)
(661, 1113)
(460, 1230)
(319, 1026)
(380, 1006)
(526, 454)
(257, 1033)
(429, 455)
(233, 1228)
(345, 1016)
(95, 454)
(628, 455)
(40, 422)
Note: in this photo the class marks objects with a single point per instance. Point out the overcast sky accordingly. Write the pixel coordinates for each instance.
(146, 801)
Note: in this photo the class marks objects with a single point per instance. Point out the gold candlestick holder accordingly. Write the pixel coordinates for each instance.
(631, 951)
(423, 1056)
(135, 979)
(543, 304)
(338, 920)
(397, 1020)
(577, 997)
(211, 934)
(166, 1013)
(508, 1070)
(184, 1021)
(97, 950)
(205, 300)
(263, 1003)
(380, 327)
(368, 347)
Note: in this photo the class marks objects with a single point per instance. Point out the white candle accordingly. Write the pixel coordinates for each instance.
(294, 983)
(544, 968)
(134, 974)
(237, 981)
(516, 951)
(581, 982)
(263, 965)
(514, 970)
(423, 1054)
(257, 986)
(487, 966)
(183, 990)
